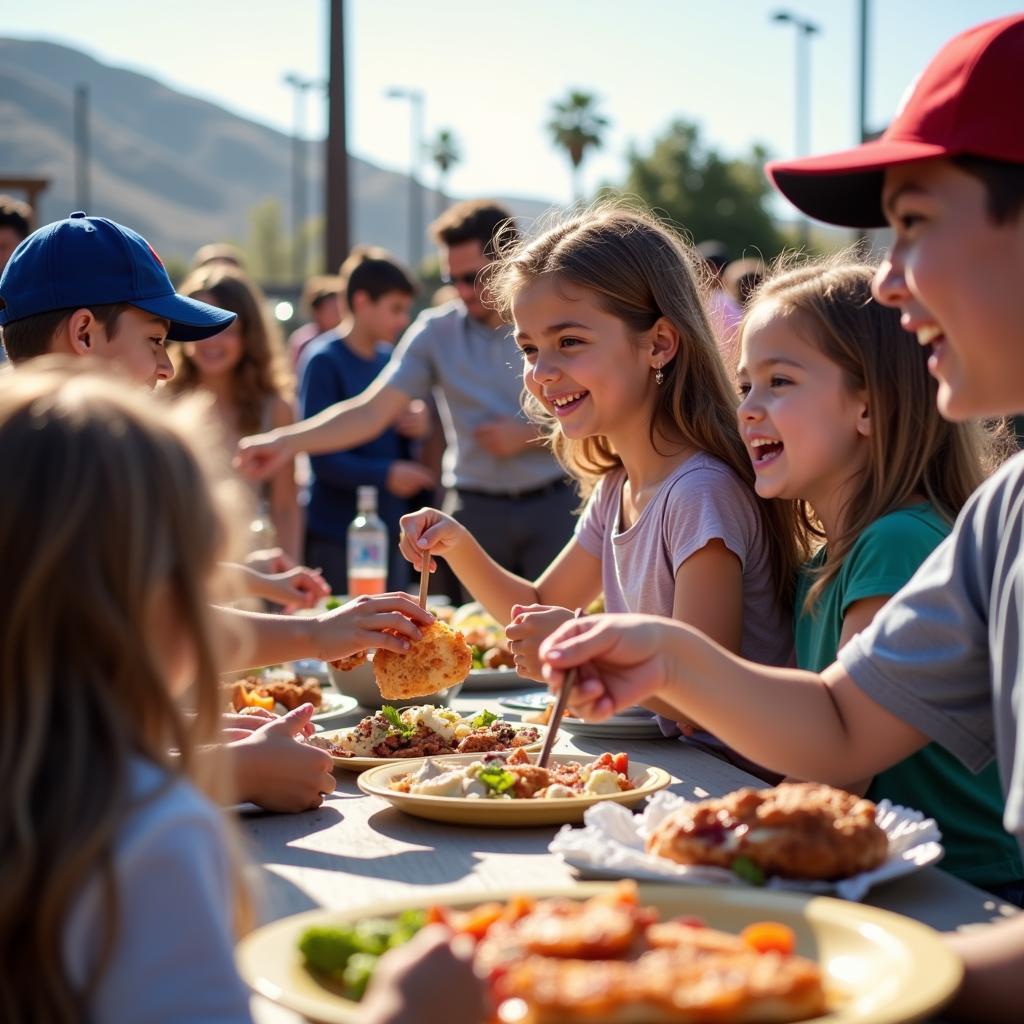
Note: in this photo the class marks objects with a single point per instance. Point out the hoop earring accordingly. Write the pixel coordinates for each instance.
(659, 376)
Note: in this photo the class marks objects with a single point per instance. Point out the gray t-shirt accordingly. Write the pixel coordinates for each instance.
(945, 653)
(703, 500)
(475, 374)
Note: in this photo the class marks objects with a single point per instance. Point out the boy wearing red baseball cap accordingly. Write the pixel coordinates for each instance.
(944, 659)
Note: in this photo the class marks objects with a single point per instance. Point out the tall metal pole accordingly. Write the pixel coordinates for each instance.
(416, 225)
(802, 98)
(862, 76)
(83, 197)
(336, 181)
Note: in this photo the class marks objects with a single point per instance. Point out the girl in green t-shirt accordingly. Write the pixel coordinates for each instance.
(840, 419)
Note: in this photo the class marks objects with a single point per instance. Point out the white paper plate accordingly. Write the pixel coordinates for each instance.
(334, 705)
(611, 845)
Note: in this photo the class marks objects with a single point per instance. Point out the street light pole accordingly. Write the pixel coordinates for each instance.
(416, 119)
(802, 100)
(301, 86)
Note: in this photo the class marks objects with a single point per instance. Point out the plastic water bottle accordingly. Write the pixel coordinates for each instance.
(367, 547)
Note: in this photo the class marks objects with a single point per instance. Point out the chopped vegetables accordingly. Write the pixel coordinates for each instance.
(769, 937)
(484, 719)
(348, 955)
(395, 721)
(747, 870)
(496, 777)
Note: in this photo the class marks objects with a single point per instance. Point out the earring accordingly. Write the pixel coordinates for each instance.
(659, 376)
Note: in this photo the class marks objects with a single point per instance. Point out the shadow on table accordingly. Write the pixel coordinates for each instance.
(456, 841)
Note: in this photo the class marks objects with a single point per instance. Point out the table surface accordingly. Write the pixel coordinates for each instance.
(356, 851)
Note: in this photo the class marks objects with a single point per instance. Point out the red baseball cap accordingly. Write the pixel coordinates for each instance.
(968, 101)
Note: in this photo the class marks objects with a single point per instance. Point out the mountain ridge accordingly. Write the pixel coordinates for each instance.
(180, 169)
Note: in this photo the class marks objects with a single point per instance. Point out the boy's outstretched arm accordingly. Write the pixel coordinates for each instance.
(801, 724)
(385, 620)
(345, 424)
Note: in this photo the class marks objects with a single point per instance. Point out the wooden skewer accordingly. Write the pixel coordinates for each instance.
(556, 716)
(424, 579)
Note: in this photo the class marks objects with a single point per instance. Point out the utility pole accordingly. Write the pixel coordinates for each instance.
(416, 225)
(299, 205)
(336, 183)
(802, 99)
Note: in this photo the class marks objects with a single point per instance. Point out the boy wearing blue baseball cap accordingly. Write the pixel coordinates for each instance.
(89, 286)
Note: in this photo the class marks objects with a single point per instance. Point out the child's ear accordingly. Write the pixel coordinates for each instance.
(664, 342)
(864, 420)
(81, 331)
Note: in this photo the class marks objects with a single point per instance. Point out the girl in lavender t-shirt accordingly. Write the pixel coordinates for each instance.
(621, 365)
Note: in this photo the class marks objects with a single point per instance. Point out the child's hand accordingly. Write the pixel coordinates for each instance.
(406, 478)
(619, 658)
(274, 769)
(415, 422)
(388, 621)
(430, 530)
(505, 437)
(406, 983)
(531, 624)
(269, 560)
(261, 455)
(295, 588)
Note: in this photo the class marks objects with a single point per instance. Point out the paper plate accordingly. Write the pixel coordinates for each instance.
(880, 968)
(334, 705)
(506, 813)
(360, 764)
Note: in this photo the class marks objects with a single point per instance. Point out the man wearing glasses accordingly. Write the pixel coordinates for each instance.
(503, 484)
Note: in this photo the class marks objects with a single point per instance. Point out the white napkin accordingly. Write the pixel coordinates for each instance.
(611, 843)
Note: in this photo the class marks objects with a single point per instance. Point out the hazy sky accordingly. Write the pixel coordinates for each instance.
(490, 70)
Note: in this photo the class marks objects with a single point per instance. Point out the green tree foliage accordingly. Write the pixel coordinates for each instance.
(444, 154)
(705, 194)
(268, 248)
(576, 126)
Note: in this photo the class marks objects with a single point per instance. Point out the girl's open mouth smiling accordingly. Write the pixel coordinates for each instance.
(565, 404)
(765, 450)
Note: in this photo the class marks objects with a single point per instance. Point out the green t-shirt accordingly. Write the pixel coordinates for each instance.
(968, 808)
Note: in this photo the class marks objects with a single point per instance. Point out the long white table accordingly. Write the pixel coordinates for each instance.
(356, 851)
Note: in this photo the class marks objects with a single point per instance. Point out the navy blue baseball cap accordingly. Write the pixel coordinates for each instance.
(91, 261)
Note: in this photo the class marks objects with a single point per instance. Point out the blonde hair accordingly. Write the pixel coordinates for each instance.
(262, 371)
(913, 450)
(640, 271)
(106, 505)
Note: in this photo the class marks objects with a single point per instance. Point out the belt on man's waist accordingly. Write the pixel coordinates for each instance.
(533, 492)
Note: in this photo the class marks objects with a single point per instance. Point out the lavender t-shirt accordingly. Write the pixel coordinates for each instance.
(702, 501)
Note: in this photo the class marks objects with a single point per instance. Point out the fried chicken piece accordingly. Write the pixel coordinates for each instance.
(439, 659)
(683, 986)
(350, 662)
(292, 694)
(797, 830)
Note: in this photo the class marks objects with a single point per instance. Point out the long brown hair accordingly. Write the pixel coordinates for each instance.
(105, 505)
(262, 371)
(912, 449)
(640, 271)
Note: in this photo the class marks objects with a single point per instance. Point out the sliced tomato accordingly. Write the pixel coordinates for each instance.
(769, 937)
(620, 764)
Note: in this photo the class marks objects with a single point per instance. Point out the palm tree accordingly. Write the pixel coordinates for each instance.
(576, 127)
(444, 152)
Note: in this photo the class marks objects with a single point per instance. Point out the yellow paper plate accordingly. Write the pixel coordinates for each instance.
(506, 813)
(361, 764)
(880, 968)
